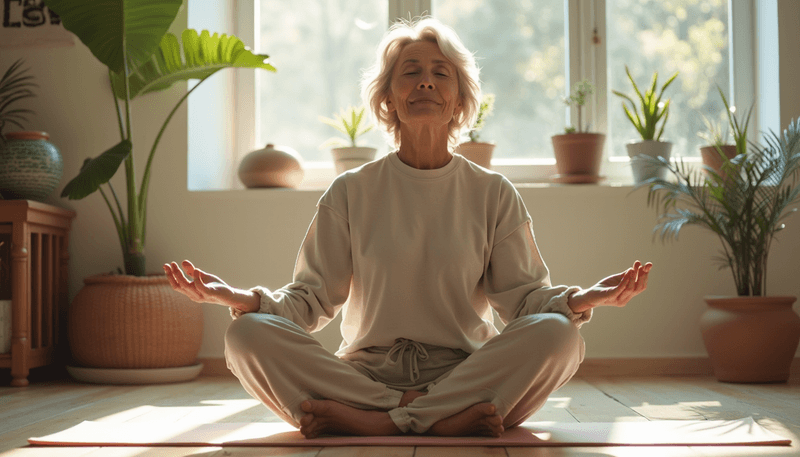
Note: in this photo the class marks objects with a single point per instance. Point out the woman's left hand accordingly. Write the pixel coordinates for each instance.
(615, 290)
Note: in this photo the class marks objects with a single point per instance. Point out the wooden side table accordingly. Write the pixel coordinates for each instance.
(39, 255)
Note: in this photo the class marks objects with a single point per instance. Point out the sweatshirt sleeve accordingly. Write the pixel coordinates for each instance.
(322, 275)
(517, 282)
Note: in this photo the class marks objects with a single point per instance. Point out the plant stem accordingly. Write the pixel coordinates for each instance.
(134, 244)
(146, 177)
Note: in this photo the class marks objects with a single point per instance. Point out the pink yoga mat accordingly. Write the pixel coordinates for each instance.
(655, 433)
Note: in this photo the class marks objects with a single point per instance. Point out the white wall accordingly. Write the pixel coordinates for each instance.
(251, 237)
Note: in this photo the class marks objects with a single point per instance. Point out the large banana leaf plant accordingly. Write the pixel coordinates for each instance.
(130, 38)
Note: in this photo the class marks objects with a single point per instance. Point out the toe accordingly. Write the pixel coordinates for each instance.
(488, 408)
(306, 420)
(307, 406)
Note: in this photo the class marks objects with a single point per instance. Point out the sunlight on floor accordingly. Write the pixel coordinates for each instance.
(210, 411)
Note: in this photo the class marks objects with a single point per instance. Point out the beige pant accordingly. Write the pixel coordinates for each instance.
(282, 365)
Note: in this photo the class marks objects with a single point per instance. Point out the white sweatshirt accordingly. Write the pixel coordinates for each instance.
(418, 254)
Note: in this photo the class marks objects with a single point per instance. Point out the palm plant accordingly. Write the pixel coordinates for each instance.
(348, 121)
(743, 205)
(653, 109)
(130, 38)
(14, 86)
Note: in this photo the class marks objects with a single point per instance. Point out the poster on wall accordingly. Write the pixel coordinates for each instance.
(29, 23)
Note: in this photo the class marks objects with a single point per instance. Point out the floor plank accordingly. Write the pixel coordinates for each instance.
(367, 451)
(589, 404)
(439, 451)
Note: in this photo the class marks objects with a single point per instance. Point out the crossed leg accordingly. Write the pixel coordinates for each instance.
(276, 372)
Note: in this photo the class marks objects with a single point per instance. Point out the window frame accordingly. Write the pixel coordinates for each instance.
(584, 61)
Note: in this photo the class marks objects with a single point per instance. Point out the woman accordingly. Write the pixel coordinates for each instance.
(415, 249)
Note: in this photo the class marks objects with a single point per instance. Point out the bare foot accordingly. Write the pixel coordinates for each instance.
(334, 418)
(409, 396)
(480, 419)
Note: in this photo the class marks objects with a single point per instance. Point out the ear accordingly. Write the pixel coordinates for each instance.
(389, 105)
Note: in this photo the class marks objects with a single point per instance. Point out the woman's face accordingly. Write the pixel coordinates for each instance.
(424, 88)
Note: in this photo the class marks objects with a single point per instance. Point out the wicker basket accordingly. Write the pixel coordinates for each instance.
(121, 321)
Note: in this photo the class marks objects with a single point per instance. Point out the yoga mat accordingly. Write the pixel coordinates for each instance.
(655, 433)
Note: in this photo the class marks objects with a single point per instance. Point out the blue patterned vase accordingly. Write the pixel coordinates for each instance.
(30, 166)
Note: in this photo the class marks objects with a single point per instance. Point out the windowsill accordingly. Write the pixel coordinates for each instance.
(524, 174)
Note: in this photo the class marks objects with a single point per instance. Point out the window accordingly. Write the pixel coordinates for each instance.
(520, 48)
(530, 52)
(690, 37)
(319, 48)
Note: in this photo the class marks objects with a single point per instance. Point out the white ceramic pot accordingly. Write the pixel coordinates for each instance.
(477, 152)
(348, 158)
(644, 171)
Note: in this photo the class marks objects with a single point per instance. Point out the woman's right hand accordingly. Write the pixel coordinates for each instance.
(208, 288)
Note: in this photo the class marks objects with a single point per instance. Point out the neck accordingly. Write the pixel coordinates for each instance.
(425, 149)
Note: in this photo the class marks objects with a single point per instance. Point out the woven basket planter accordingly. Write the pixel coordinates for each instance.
(121, 321)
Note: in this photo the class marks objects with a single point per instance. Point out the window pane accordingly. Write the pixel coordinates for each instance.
(319, 48)
(519, 46)
(690, 36)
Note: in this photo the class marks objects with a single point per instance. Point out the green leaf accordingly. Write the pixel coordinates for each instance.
(105, 26)
(97, 171)
(201, 56)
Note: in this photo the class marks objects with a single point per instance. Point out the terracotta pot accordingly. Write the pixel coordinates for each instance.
(348, 158)
(750, 339)
(30, 166)
(477, 152)
(712, 158)
(121, 321)
(578, 153)
(644, 171)
(273, 166)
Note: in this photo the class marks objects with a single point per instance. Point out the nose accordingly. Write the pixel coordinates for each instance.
(426, 82)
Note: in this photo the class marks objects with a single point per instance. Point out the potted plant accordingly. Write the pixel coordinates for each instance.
(135, 320)
(720, 150)
(578, 152)
(653, 112)
(30, 166)
(348, 155)
(751, 337)
(474, 150)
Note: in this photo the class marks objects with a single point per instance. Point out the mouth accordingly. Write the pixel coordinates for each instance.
(424, 100)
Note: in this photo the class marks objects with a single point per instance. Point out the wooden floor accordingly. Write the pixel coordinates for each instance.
(50, 406)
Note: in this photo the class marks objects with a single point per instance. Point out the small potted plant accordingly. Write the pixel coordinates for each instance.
(30, 166)
(578, 151)
(753, 336)
(720, 150)
(474, 150)
(654, 110)
(346, 153)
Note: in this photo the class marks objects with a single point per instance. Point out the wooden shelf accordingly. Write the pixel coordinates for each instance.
(39, 237)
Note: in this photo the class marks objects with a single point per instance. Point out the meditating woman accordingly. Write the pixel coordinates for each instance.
(415, 249)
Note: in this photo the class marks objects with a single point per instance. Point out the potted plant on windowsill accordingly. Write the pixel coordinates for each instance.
(30, 166)
(135, 320)
(578, 152)
(653, 111)
(751, 337)
(474, 150)
(348, 155)
(720, 150)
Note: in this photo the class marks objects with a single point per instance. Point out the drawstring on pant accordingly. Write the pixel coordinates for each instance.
(416, 353)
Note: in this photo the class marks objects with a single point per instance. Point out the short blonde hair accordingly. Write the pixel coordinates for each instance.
(376, 84)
